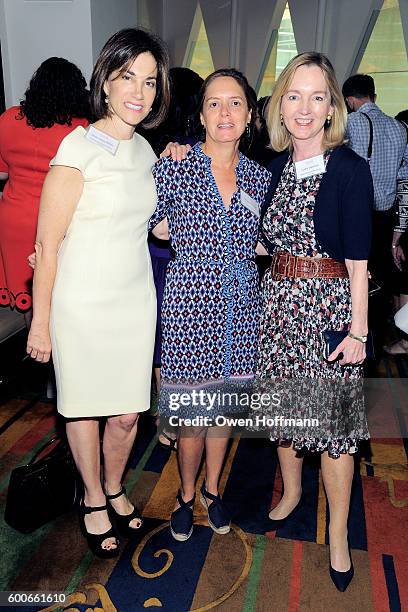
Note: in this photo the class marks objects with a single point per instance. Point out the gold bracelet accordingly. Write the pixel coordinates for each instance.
(362, 339)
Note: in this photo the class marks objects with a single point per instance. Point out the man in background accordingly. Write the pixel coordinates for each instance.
(381, 140)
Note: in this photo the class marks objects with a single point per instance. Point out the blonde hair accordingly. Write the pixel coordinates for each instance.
(334, 134)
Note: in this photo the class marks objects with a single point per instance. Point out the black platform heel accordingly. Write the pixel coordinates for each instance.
(122, 521)
(95, 540)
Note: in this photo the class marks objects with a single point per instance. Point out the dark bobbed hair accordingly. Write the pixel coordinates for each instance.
(359, 86)
(249, 93)
(57, 92)
(118, 53)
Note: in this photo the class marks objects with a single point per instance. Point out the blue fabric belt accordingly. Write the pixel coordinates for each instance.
(240, 269)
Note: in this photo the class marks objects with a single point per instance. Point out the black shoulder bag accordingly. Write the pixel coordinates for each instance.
(370, 142)
(43, 489)
(401, 202)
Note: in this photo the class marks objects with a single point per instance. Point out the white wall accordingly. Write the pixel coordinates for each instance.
(109, 16)
(33, 30)
(150, 15)
(177, 21)
(217, 15)
(346, 25)
(257, 21)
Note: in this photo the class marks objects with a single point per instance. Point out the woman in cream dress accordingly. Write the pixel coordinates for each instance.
(94, 297)
(103, 308)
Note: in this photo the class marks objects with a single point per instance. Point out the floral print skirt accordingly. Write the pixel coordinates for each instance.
(292, 365)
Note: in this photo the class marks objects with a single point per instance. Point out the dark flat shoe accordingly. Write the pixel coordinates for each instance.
(95, 540)
(218, 516)
(122, 521)
(181, 521)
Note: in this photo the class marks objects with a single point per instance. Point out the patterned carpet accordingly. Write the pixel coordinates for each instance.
(250, 569)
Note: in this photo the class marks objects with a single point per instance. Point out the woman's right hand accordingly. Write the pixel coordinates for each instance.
(398, 256)
(39, 344)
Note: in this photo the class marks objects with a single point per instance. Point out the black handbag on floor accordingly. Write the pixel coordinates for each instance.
(43, 489)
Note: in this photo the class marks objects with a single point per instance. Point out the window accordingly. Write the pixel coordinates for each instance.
(198, 56)
(281, 52)
(385, 59)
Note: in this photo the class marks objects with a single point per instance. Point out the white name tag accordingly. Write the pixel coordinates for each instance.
(310, 167)
(251, 204)
(103, 140)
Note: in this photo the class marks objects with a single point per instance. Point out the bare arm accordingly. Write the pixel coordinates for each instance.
(359, 296)
(354, 351)
(59, 198)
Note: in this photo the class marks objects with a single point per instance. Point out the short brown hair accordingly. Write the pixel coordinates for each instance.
(118, 53)
(334, 134)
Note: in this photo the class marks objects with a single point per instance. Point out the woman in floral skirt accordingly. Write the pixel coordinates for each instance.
(316, 222)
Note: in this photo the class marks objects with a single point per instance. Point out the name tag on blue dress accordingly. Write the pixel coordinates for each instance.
(251, 204)
(103, 140)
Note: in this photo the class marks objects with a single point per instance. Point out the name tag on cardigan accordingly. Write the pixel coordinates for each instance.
(310, 167)
(103, 140)
(251, 204)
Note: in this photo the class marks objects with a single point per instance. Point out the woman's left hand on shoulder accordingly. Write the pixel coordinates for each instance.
(354, 352)
(177, 151)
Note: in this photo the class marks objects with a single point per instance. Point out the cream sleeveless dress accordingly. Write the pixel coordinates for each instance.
(103, 310)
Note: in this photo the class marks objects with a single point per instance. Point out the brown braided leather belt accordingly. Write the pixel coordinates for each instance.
(285, 265)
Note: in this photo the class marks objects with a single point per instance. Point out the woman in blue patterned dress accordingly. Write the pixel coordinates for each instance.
(211, 305)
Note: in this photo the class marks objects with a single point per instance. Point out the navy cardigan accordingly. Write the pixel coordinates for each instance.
(343, 208)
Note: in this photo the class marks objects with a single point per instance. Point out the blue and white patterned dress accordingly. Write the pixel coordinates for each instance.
(211, 305)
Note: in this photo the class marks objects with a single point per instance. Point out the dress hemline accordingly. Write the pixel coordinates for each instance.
(79, 413)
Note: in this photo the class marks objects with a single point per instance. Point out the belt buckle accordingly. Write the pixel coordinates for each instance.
(276, 273)
(286, 265)
(273, 267)
(313, 267)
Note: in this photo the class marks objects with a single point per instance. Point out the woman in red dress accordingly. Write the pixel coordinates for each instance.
(55, 103)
